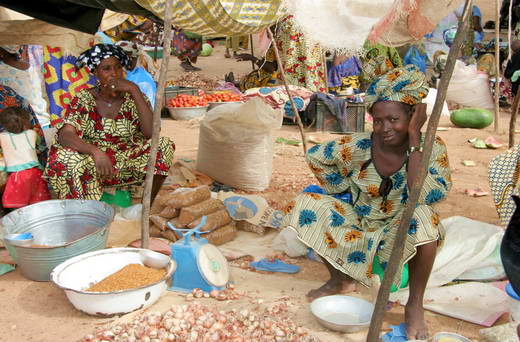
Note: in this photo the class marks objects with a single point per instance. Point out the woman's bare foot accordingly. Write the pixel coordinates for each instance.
(331, 287)
(416, 327)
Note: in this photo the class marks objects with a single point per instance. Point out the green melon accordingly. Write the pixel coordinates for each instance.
(207, 50)
(471, 118)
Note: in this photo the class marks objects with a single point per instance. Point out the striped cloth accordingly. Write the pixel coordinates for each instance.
(212, 18)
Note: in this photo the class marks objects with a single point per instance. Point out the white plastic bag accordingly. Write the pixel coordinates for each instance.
(287, 241)
(430, 102)
(469, 87)
(236, 144)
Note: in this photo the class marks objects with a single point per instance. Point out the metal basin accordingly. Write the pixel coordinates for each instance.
(77, 274)
(62, 229)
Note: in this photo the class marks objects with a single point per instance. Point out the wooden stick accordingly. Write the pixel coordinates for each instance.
(497, 66)
(150, 168)
(252, 52)
(401, 234)
(512, 122)
(293, 105)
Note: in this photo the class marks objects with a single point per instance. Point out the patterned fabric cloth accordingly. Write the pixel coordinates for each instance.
(406, 84)
(9, 98)
(277, 98)
(92, 57)
(378, 60)
(129, 47)
(350, 233)
(504, 173)
(118, 33)
(63, 80)
(186, 49)
(73, 175)
(261, 78)
(336, 73)
(212, 18)
(27, 83)
(302, 61)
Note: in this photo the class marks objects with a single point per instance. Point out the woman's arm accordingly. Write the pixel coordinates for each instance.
(414, 135)
(68, 137)
(145, 112)
(260, 62)
(143, 107)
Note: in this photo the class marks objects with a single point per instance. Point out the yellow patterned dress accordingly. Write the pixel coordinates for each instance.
(350, 230)
(73, 175)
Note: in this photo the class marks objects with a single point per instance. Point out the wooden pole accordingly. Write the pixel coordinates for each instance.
(401, 235)
(512, 122)
(150, 168)
(497, 66)
(252, 51)
(293, 105)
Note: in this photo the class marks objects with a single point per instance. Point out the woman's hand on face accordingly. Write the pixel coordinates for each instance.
(417, 120)
(103, 163)
(122, 85)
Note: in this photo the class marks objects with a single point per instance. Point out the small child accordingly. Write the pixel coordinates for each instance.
(25, 184)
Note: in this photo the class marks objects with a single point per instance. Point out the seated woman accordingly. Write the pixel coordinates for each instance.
(103, 140)
(264, 76)
(376, 170)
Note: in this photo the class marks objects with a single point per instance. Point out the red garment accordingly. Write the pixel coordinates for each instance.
(24, 188)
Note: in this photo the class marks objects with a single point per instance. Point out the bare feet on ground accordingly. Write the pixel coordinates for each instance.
(330, 288)
(416, 327)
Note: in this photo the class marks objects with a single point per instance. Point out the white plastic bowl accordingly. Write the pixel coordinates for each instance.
(187, 113)
(342, 313)
(77, 274)
(447, 336)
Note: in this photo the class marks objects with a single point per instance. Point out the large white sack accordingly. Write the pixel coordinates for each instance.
(236, 144)
(469, 87)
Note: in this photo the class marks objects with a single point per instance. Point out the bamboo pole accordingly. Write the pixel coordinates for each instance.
(497, 66)
(293, 105)
(401, 235)
(150, 168)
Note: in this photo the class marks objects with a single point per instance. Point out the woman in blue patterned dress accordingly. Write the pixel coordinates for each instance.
(373, 173)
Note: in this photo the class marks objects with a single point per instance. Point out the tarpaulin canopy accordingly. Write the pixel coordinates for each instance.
(220, 17)
(345, 25)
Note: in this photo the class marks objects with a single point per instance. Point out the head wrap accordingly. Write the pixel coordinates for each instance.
(129, 47)
(12, 49)
(96, 54)
(406, 84)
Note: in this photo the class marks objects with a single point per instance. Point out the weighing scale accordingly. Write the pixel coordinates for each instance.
(199, 264)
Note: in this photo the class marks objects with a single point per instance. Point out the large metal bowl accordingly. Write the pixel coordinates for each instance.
(342, 313)
(62, 229)
(79, 273)
(187, 113)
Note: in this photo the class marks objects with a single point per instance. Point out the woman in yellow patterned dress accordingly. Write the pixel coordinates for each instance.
(367, 177)
(104, 137)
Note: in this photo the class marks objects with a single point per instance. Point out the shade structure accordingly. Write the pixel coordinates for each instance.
(212, 18)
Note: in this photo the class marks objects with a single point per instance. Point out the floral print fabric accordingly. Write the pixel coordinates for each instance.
(350, 233)
(73, 175)
(302, 61)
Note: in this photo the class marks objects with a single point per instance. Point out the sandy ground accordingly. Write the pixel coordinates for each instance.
(39, 311)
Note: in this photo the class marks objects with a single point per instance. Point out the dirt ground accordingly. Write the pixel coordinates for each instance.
(39, 311)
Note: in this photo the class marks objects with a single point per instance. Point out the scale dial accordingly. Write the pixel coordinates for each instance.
(213, 265)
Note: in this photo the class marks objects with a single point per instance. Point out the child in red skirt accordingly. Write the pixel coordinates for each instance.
(25, 184)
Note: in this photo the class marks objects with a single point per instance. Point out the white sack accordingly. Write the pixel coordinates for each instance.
(236, 144)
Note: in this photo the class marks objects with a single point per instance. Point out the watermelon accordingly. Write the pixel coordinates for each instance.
(472, 118)
(207, 50)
